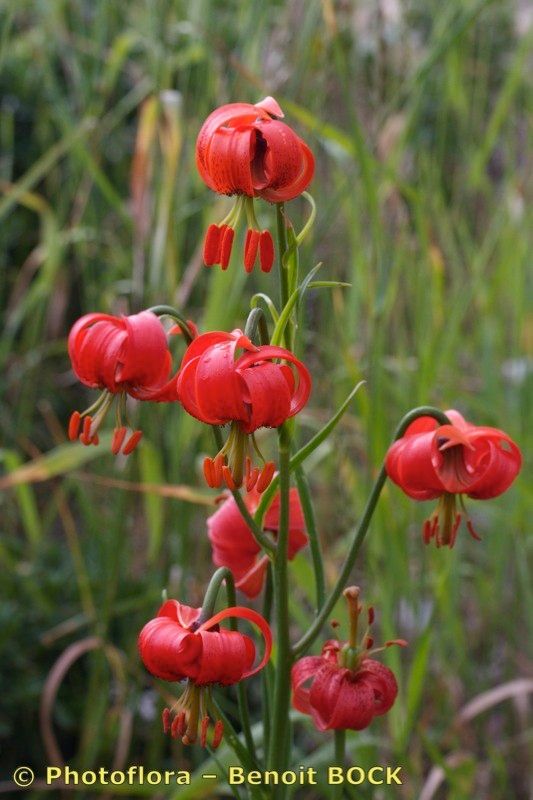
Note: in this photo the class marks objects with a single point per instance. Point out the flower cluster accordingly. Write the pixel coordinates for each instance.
(130, 356)
(229, 379)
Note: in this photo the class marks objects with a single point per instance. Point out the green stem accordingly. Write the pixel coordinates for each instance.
(279, 750)
(314, 540)
(340, 759)
(169, 311)
(360, 532)
(283, 271)
(262, 540)
(266, 674)
(210, 598)
(224, 575)
(256, 323)
(242, 697)
(303, 453)
(231, 738)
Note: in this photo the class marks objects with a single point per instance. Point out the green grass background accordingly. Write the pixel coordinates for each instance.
(419, 116)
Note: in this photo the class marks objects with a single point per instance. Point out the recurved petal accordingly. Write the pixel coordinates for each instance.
(184, 615)
(145, 359)
(201, 343)
(252, 581)
(219, 388)
(324, 694)
(168, 650)
(409, 464)
(96, 344)
(383, 683)
(267, 396)
(227, 527)
(296, 517)
(284, 165)
(300, 182)
(227, 116)
(240, 612)
(229, 160)
(500, 466)
(186, 388)
(303, 670)
(226, 657)
(300, 395)
(271, 106)
(355, 707)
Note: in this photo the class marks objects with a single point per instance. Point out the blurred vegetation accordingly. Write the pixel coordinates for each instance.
(418, 112)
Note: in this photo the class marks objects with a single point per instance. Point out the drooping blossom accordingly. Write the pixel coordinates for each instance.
(249, 391)
(447, 462)
(178, 645)
(244, 149)
(121, 356)
(343, 688)
(235, 547)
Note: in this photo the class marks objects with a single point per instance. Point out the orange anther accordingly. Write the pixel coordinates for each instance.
(218, 734)
(85, 436)
(250, 249)
(119, 435)
(209, 472)
(132, 442)
(472, 531)
(212, 246)
(203, 730)
(74, 425)
(226, 244)
(166, 720)
(251, 479)
(218, 463)
(228, 477)
(266, 251)
(267, 473)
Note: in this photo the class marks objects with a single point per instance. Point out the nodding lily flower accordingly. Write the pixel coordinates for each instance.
(179, 645)
(448, 461)
(249, 391)
(347, 687)
(235, 547)
(246, 150)
(122, 356)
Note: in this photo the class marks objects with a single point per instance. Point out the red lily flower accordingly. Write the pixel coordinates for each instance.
(178, 645)
(121, 355)
(249, 392)
(246, 150)
(235, 547)
(348, 689)
(442, 461)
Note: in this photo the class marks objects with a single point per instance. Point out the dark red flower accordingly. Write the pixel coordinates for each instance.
(347, 688)
(123, 356)
(245, 149)
(249, 391)
(235, 547)
(445, 461)
(177, 645)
